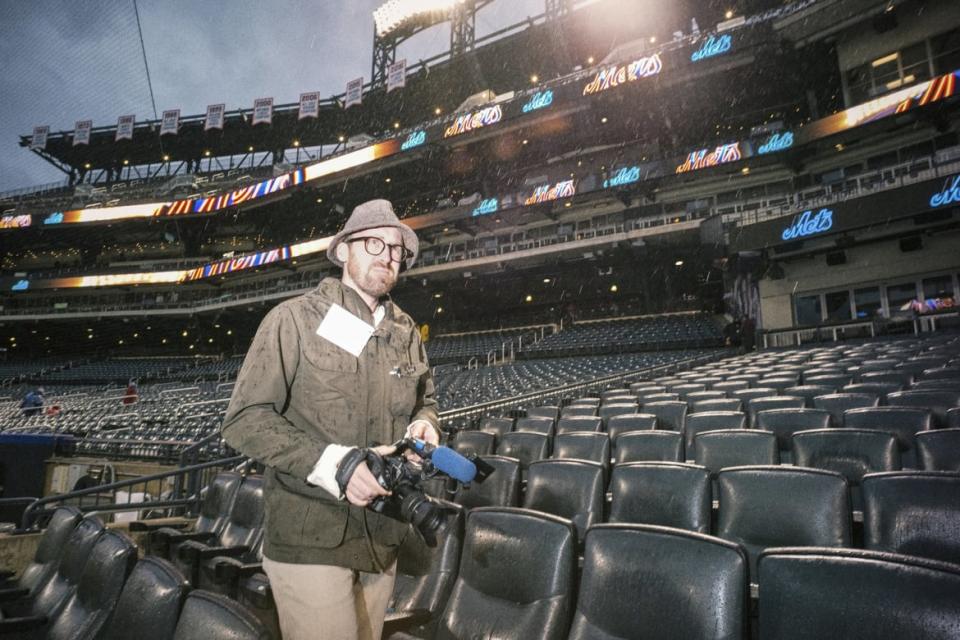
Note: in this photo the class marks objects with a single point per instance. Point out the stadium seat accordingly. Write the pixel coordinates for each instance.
(544, 411)
(608, 411)
(500, 489)
(577, 410)
(208, 615)
(618, 425)
(48, 554)
(497, 426)
(779, 384)
(649, 446)
(729, 386)
(697, 396)
(593, 447)
(745, 395)
(913, 512)
(669, 494)
(621, 562)
(902, 378)
(718, 449)
(571, 489)
(709, 421)
(516, 578)
(684, 389)
(535, 425)
(645, 399)
(879, 389)
(574, 424)
(937, 402)
(150, 602)
(846, 593)
(525, 446)
(903, 422)
(827, 380)
(768, 403)
(785, 422)
(939, 450)
(763, 507)
(425, 579)
(671, 414)
(809, 391)
(850, 452)
(717, 404)
(481, 443)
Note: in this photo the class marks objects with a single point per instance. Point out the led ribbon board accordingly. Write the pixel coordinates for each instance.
(540, 100)
(615, 76)
(626, 175)
(713, 46)
(776, 142)
(950, 194)
(703, 158)
(806, 224)
(468, 122)
(16, 222)
(546, 192)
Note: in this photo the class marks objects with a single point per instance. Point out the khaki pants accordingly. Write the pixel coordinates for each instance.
(323, 602)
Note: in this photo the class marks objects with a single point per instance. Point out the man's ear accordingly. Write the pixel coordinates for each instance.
(342, 252)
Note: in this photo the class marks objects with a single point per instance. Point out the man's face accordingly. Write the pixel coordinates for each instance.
(374, 275)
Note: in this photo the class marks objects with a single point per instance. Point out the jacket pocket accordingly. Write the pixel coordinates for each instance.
(404, 390)
(295, 520)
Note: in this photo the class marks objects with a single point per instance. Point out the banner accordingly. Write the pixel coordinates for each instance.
(263, 110)
(170, 124)
(309, 105)
(125, 128)
(81, 132)
(397, 75)
(354, 93)
(39, 139)
(214, 117)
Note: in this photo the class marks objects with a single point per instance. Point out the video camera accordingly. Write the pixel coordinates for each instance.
(407, 502)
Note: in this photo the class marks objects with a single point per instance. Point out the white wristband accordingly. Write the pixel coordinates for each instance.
(324, 473)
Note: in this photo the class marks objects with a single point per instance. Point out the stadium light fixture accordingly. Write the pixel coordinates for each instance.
(229, 332)
(340, 138)
(164, 341)
(207, 153)
(250, 148)
(525, 141)
(86, 165)
(745, 171)
(390, 15)
(126, 162)
(546, 281)
(603, 119)
(185, 333)
(166, 158)
(678, 263)
(728, 14)
(534, 78)
(319, 200)
(590, 60)
(653, 39)
(529, 298)
(437, 111)
(396, 125)
(439, 309)
(296, 143)
(613, 288)
(387, 180)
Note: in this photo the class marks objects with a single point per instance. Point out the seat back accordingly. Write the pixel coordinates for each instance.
(764, 507)
(785, 422)
(851, 452)
(500, 489)
(516, 577)
(717, 450)
(649, 446)
(245, 524)
(544, 411)
(832, 593)
(838, 403)
(92, 603)
(902, 422)
(608, 411)
(572, 424)
(701, 585)
(535, 425)
(574, 410)
(879, 389)
(669, 494)
(938, 402)
(481, 443)
(746, 395)
(939, 450)
(671, 414)
(717, 404)
(150, 602)
(571, 489)
(50, 550)
(767, 403)
(208, 615)
(618, 425)
(953, 418)
(57, 590)
(497, 426)
(710, 421)
(809, 391)
(216, 505)
(913, 512)
(594, 447)
(425, 575)
(525, 446)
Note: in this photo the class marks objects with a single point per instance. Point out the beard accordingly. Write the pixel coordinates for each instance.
(375, 282)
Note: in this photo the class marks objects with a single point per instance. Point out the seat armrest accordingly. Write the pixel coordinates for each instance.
(401, 621)
(146, 525)
(6, 574)
(26, 623)
(228, 569)
(196, 536)
(14, 593)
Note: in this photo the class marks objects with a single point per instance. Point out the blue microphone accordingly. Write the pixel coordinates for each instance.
(446, 460)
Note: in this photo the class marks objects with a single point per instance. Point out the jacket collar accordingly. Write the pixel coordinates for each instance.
(333, 290)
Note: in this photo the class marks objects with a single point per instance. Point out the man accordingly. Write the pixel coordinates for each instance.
(337, 369)
(32, 402)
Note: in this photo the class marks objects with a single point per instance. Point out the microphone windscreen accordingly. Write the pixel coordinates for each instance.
(453, 464)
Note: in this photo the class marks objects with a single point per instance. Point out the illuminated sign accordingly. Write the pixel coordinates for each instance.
(54, 218)
(617, 75)
(807, 224)
(415, 139)
(486, 207)
(546, 193)
(16, 222)
(713, 47)
(623, 176)
(540, 100)
(22, 285)
(950, 193)
(776, 142)
(468, 122)
(703, 158)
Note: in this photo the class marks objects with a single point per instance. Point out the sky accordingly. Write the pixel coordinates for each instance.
(63, 60)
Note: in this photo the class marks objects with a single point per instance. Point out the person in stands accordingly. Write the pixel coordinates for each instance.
(33, 402)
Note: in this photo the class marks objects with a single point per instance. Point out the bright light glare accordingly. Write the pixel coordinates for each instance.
(393, 13)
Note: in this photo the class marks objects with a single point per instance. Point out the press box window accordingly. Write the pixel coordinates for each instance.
(808, 310)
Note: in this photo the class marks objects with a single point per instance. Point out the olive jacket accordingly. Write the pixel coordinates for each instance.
(297, 392)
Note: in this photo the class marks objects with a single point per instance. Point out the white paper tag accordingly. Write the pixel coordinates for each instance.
(345, 330)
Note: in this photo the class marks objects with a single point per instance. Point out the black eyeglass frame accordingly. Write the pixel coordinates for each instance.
(405, 253)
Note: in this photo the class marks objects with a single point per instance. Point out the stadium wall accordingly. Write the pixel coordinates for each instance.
(879, 263)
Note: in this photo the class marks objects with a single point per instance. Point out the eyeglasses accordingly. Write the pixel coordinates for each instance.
(375, 246)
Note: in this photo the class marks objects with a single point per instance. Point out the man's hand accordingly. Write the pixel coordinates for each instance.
(421, 430)
(363, 486)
